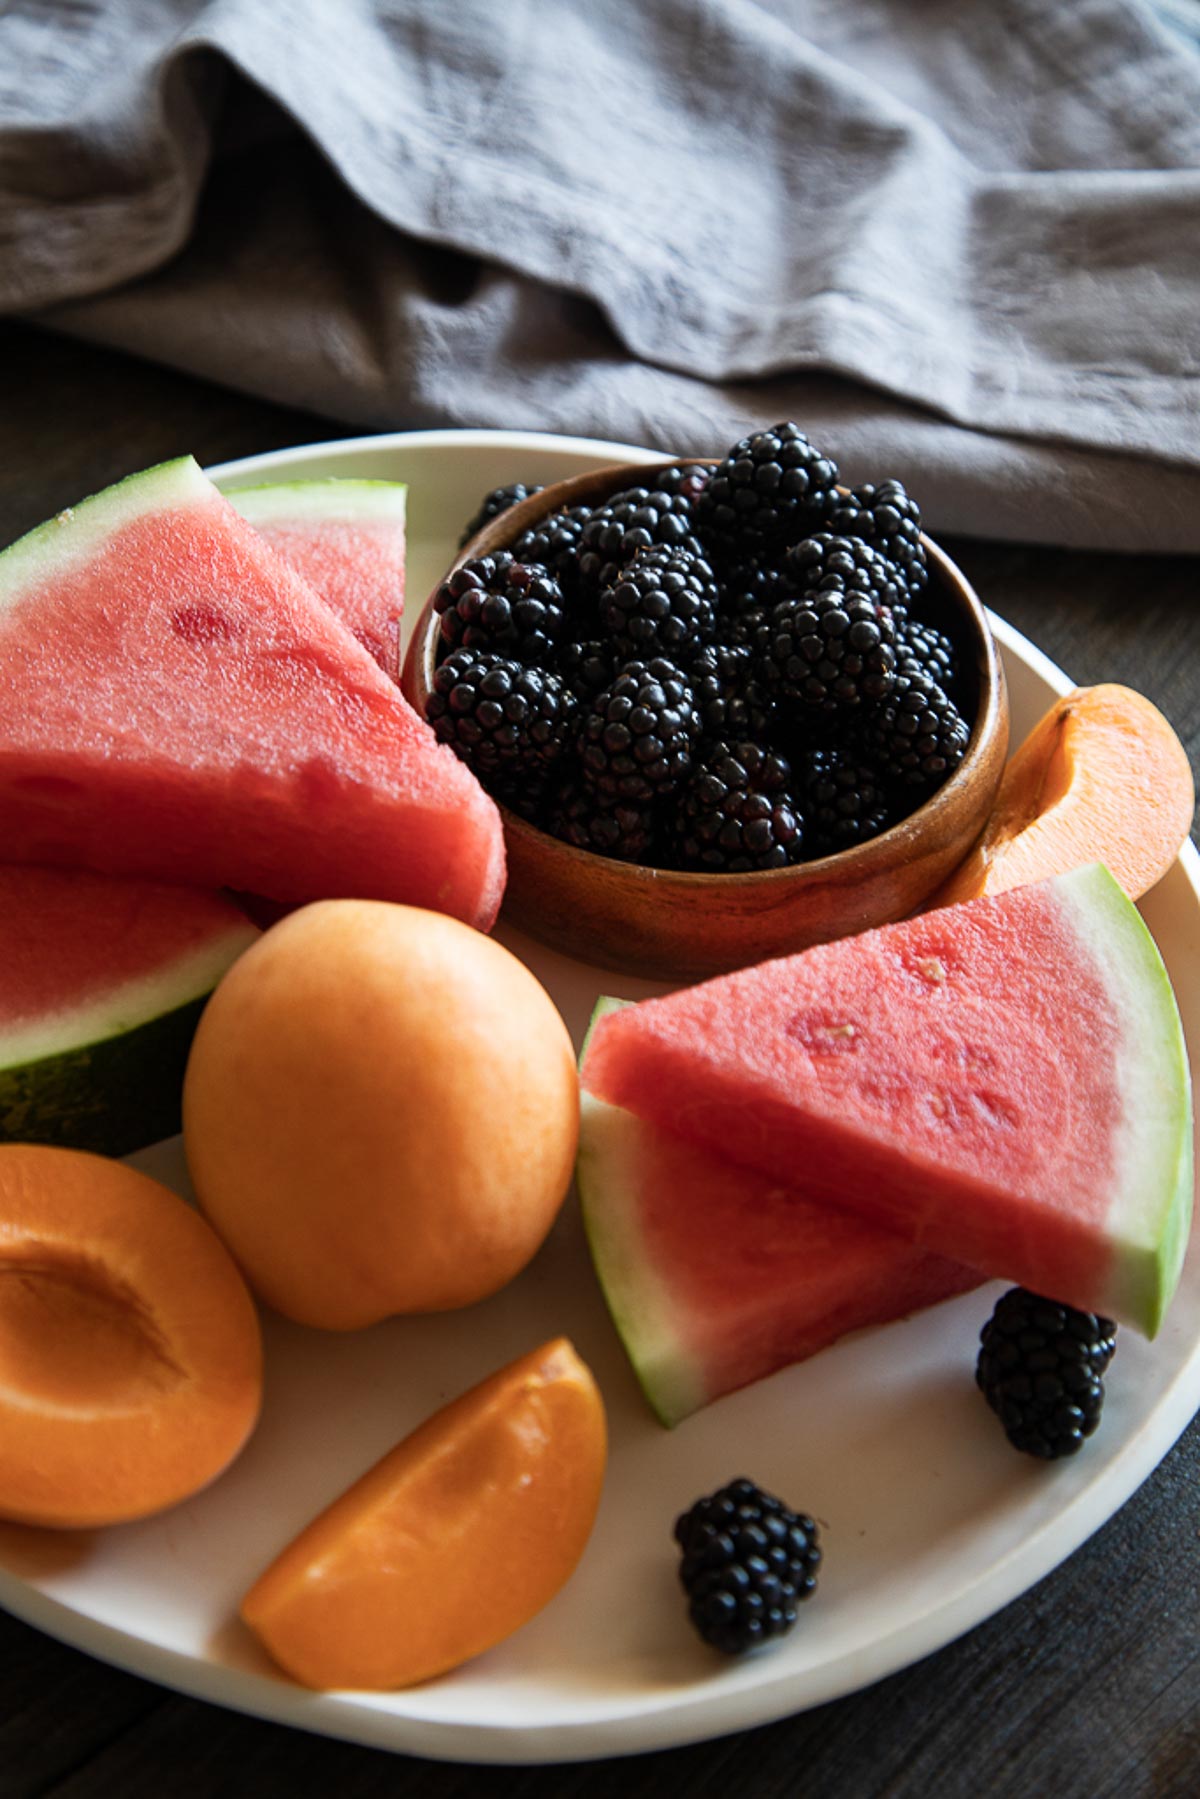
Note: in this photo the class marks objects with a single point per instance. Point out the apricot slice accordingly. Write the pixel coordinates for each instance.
(130, 1354)
(380, 1113)
(1102, 777)
(451, 1542)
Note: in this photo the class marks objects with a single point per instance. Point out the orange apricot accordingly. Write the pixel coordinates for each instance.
(1102, 777)
(130, 1353)
(380, 1113)
(453, 1540)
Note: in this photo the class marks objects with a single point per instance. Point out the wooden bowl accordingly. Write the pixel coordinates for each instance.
(675, 926)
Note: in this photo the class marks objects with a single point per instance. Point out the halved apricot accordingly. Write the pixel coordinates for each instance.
(451, 1542)
(1102, 777)
(130, 1353)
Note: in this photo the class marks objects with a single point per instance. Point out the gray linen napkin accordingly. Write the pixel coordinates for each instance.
(959, 241)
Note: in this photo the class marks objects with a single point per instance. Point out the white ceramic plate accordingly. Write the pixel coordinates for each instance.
(930, 1521)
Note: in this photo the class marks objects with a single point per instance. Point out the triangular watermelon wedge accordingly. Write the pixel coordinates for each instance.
(717, 1276)
(178, 704)
(1003, 1082)
(347, 539)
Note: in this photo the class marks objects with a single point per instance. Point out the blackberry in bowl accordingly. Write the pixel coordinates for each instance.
(745, 743)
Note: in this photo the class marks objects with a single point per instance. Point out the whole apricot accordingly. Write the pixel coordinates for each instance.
(380, 1113)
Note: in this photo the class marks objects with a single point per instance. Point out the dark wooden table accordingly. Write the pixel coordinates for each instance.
(1089, 1685)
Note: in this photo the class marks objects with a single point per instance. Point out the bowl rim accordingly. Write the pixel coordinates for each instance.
(990, 715)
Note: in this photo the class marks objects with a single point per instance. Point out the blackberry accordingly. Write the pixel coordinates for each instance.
(555, 544)
(747, 1563)
(917, 734)
(493, 504)
(662, 603)
(735, 813)
(752, 587)
(684, 478)
(636, 519)
(1040, 1368)
(923, 649)
(638, 736)
(587, 668)
(497, 603)
(771, 488)
(829, 564)
(844, 798)
(731, 699)
(887, 518)
(832, 652)
(502, 719)
(620, 830)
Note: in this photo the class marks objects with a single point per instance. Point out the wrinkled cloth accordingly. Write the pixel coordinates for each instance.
(958, 241)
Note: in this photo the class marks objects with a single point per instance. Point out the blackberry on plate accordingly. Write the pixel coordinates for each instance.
(772, 487)
(1041, 1368)
(829, 564)
(662, 603)
(501, 718)
(635, 519)
(501, 499)
(622, 830)
(918, 734)
(833, 652)
(747, 1564)
(497, 603)
(844, 799)
(735, 814)
(890, 520)
(638, 735)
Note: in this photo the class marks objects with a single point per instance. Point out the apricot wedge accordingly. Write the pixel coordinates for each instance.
(451, 1542)
(130, 1354)
(1102, 777)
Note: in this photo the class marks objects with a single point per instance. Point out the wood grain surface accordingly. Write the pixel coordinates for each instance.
(1088, 1685)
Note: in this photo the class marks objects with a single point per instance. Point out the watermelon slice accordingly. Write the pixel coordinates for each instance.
(717, 1276)
(347, 539)
(1004, 1082)
(179, 705)
(104, 983)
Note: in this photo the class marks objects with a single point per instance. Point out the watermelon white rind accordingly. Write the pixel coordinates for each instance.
(323, 499)
(639, 1301)
(1003, 1082)
(1151, 1212)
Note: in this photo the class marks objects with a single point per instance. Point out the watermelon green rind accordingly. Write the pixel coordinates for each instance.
(639, 1303)
(50, 547)
(334, 498)
(110, 1096)
(1152, 1212)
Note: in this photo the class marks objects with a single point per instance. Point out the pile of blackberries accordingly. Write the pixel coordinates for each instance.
(729, 668)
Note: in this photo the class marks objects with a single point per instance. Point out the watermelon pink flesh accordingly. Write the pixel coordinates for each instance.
(75, 942)
(179, 705)
(347, 540)
(717, 1276)
(1003, 1082)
